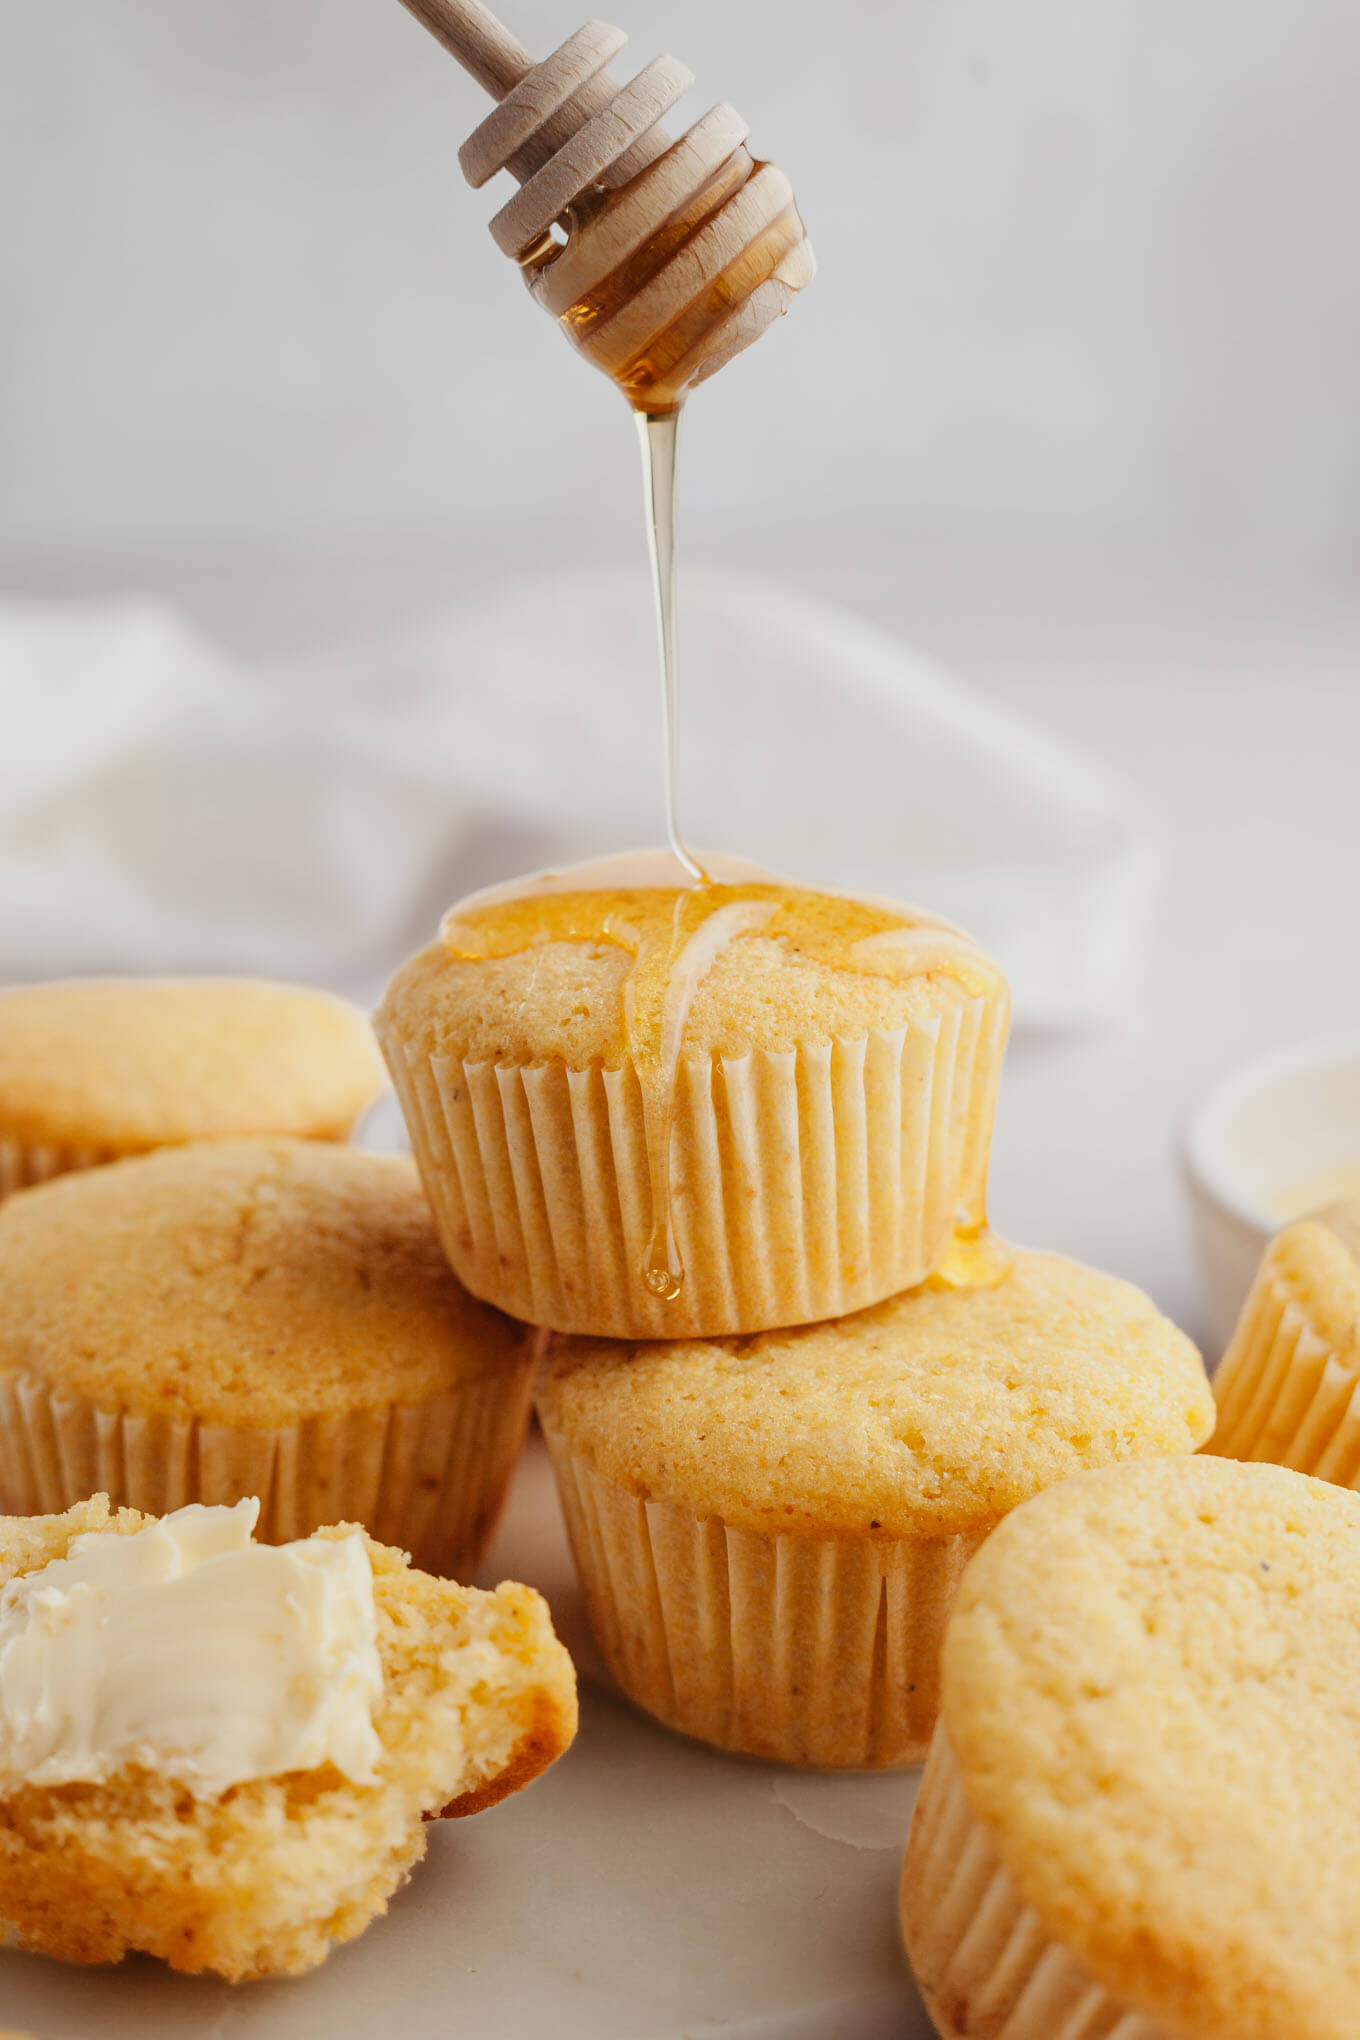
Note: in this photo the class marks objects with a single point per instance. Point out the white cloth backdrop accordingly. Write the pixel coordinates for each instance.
(164, 807)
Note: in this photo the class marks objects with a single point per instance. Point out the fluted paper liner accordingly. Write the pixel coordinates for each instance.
(1284, 1394)
(986, 1965)
(805, 1184)
(429, 1477)
(820, 1651)
(26, 1162)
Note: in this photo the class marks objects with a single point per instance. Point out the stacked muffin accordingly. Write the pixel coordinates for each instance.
(731, 1141)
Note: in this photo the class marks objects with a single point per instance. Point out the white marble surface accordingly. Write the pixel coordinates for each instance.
(647, 1890)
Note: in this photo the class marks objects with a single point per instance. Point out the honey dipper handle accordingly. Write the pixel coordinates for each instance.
(483, 46)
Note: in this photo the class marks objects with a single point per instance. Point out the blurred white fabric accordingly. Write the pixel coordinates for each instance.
(165, 807)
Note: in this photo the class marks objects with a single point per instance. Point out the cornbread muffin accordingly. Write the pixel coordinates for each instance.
(113, 1066)
(477, 1697)
(263, 1317)
(1139, 1817)
(770, 1530)
(650, 1109)
(1286, 1385)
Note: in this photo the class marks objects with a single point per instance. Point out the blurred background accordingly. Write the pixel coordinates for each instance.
(1088, 272)
(1071, 416)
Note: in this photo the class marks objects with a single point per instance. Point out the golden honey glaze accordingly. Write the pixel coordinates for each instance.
(656, 369)
(675, 933)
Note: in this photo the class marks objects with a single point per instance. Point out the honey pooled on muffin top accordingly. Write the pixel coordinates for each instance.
(674, 928)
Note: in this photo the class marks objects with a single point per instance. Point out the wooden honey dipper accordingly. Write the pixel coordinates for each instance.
(660, 259)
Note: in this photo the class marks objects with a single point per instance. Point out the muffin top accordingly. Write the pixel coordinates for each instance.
(134, 1063)
(930, 1414)
(579, 966)
(252, 1283)
(1317, 1261)
(1150, 1685)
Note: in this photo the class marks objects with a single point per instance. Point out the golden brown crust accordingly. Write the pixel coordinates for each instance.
(127, 1064)
(551, 1731)
(264, 1880)
(932, 1413)
(250, 1283)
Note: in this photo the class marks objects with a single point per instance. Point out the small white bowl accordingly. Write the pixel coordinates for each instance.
(1253, 1145)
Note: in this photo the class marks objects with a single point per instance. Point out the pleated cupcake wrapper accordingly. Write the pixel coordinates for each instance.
(1284, 1394)
(429, 1477)
(24, 1162)
(817, 1651)
(805, 1184)
(987, 1967)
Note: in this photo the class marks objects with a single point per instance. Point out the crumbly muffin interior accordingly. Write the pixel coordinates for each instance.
(479, 1697)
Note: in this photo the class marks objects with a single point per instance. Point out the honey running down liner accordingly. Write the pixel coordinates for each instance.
(648, 1107)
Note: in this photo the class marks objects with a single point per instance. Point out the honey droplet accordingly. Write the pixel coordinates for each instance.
(656, 365)
(662, 1272)
(978, 1258)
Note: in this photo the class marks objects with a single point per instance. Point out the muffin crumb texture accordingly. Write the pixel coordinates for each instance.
(479, 1697)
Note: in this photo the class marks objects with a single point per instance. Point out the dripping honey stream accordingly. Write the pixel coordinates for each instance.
(676, 932)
